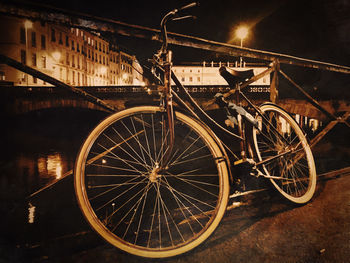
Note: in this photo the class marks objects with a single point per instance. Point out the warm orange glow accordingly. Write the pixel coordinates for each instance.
(125, 76)
(242, 32)
(103, 70)
(56, 55)
(28, 24)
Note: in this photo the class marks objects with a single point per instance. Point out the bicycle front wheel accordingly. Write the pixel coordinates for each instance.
(285, 154)
(138, 205)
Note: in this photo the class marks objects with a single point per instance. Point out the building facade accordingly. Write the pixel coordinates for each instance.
(207, 74)
(71, 55)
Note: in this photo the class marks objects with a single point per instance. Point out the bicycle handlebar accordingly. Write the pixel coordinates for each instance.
(170, 16)
(194, 4)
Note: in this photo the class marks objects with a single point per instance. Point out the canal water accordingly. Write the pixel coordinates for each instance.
(37, 149)
(41, 147)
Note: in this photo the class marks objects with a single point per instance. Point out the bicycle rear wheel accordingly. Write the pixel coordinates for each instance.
(282, 146)
(136, 205)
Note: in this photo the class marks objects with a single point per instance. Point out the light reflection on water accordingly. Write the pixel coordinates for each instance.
(51, 165)
(40, 169)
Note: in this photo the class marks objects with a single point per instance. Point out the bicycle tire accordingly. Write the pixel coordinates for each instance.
(168, 212)
(279, 135)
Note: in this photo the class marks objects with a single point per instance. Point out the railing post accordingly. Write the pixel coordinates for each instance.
(274, 82)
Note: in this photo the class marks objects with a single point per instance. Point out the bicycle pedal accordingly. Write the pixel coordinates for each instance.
(245, 162)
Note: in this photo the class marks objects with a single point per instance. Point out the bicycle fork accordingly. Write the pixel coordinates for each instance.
(168, 107)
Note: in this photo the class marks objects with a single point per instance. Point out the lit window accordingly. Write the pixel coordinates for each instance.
(43, 61)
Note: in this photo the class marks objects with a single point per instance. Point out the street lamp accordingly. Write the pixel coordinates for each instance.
(27, 25)
(57, 56)
(242, 33)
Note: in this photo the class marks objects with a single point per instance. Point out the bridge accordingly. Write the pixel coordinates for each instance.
(23, 99)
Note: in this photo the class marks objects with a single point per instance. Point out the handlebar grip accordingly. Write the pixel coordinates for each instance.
(188, 6)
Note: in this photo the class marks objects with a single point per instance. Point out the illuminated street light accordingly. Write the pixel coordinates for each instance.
(242, 33)
(103, 70)
(28, 24)
(56, 55)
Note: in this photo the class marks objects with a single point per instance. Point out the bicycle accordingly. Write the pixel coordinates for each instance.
(154, 181)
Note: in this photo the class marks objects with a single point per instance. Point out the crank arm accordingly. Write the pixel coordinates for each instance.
(272, 177)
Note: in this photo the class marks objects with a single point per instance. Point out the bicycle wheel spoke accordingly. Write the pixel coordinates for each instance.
(113, 199)
(187, 197)
(180, 205)
(122, 159)
(129, 154)
(99, 156)
(142, 148)
(115, 211)
(137, 204)
(186, 150)
(191, 160)
(117, 168)
(190, 182)
(115, 157)
(136, 138)
(147, 141)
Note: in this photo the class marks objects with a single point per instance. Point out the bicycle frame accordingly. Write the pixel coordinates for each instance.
(182, 96)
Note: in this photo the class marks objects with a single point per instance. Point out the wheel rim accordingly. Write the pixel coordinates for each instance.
(141, 208)
(295, 164)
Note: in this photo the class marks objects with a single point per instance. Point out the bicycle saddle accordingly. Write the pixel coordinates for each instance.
(235, 76)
